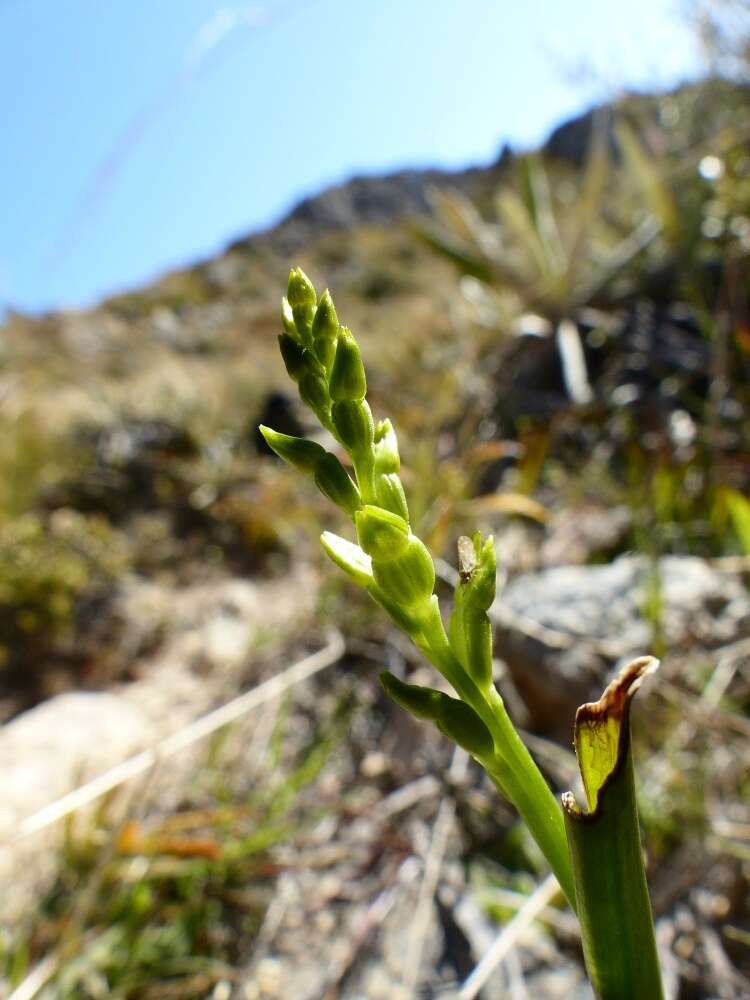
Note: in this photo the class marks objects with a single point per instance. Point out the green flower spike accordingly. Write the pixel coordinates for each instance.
(595, 853)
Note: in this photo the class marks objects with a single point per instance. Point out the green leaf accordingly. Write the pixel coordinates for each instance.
(455, 720)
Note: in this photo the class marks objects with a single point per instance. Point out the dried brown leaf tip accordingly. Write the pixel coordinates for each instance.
(467, 558)
(618, 693)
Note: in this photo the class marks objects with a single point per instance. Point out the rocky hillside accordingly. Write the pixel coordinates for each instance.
(563, 340)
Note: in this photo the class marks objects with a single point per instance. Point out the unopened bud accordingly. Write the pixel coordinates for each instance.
(349, 557)
(348, 379)
(299, 452)
(325, 330)
(389, 493)
(301, 295)
(313, 391)
(326, 322)
(386, 448)
(409, 577)
(293, 355)
(300, 290)
(287, 318)
(353, 421)
(334, 481)
(381, 534)
(478, 570)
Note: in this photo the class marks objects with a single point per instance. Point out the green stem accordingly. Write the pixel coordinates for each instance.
(364, 471)
(516, 774)
(512, 768)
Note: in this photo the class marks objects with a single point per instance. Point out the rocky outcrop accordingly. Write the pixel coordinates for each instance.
(562, 630)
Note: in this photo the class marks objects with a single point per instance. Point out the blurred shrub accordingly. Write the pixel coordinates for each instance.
(47, 566)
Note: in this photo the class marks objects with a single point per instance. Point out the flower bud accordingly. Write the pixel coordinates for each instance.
(299, 452)
(348, 379)
(333, 481)
(353, 421)
(292, 353)
(302, 299)
(381, 534)
(389, 493)
(325, 330)
(386, 448)
(287, 318)
(409, 578)
(300, 290)
(478, 570)
(313, 391)
(326, 322)
(349, 557)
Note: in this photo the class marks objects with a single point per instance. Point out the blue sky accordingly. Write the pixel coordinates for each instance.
(138, 135)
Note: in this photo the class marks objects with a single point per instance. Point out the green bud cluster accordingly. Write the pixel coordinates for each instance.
(325, 361)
